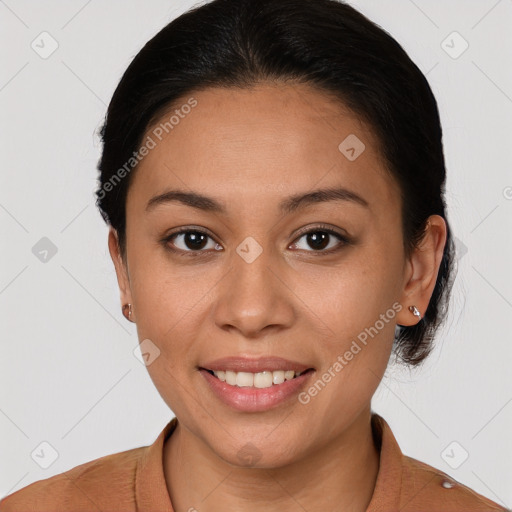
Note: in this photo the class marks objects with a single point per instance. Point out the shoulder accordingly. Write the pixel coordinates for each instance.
(410, 485)
(425, 487)
(100, 484)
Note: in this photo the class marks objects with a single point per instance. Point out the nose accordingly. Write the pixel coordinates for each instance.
(254, 297)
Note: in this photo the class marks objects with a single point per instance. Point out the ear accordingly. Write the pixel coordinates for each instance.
(123, 279)
(422, 269)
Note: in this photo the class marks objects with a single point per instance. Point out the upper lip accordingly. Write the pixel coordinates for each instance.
(254, 365)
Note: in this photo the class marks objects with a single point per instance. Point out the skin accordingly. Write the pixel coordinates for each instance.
(250, 149)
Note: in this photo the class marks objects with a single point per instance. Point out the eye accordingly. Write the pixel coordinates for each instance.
(190, 241)
(196, 242)
(320, 239)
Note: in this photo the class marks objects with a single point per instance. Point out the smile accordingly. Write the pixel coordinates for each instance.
(264, 379)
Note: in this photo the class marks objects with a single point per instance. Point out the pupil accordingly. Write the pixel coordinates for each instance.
(318, 240)
(195, 240)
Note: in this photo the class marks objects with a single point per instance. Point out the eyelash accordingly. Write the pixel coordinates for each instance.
(317, 229)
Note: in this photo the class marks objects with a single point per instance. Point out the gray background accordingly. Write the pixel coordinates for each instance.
(69, 376)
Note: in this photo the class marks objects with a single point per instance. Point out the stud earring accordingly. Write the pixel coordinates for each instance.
(414, 311)
(127, 312)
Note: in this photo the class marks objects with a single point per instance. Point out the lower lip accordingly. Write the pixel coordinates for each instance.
(250, 399)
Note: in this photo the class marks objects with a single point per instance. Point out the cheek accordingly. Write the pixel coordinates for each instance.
(172, 304)
(357, 303)
(353, 361)
(351, 296)
(169, 313)
(166, 291)
(169, 319)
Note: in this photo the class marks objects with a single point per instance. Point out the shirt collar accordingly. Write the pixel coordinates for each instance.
(151, 489)
(388, 487)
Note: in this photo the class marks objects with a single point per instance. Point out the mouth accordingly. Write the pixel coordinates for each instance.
(260, 380)
(250, 384)
(256, 392)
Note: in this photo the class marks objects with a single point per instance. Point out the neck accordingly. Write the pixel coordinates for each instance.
(342, 472)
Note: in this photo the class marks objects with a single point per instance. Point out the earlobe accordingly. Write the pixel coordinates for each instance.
(128, 312)
(423, 269)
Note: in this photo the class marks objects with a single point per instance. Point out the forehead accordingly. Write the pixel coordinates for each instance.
(270, 140)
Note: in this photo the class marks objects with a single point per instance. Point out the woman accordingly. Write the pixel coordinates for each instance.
(273, 179)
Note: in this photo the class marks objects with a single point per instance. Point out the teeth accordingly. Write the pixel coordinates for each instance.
(263, 379)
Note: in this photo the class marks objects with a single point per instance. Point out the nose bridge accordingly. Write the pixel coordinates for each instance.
(252, 298)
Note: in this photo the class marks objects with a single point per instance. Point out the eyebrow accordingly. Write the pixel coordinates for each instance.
(288, 205)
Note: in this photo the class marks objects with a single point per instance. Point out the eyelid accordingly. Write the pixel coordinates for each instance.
(322, 227)
(192, 228)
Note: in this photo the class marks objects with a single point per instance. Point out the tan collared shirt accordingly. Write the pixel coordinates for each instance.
(133, 481)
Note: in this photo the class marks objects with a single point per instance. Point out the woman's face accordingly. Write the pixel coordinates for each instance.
(255, 285)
